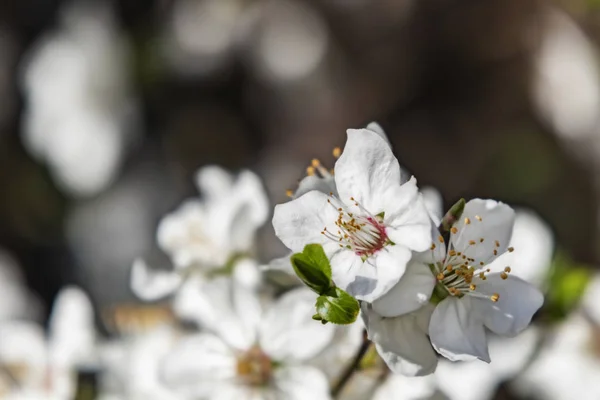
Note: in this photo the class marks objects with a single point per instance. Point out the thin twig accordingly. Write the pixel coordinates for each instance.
(352, 367)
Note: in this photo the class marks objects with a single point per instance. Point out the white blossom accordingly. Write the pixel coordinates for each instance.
(207, 235)
(481, 293)
(248, 353)
(46, 367)
(369, 227)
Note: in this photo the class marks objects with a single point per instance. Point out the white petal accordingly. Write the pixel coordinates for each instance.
(247, 273)
(398, 387)
(409, 294)
(407, 221)
(589, 301)
(199, 365)
(71, 328)
(325, 185)
(533, 242)
(401, 342)
(456, 331)
(366, 170)
(301, 383)
(23, 344)
(288, 332)
(376, 275)
(375, 127)
(513, 311)
(223, 306)
(433, 203)
(214, 182)
(149, 284)
(301, 221)
(491, 221)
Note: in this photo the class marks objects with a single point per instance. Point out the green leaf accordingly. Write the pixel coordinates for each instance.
(312, 267)
(452, 216)
(337, 307)
(566, 285)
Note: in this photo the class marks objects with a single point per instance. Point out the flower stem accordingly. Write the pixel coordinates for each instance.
(352, 367)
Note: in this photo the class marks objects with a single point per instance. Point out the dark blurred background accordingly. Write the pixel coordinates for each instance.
(108, 108)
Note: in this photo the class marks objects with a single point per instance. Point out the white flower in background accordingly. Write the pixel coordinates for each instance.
(568, 365)
(400, 387)
(369, 229)
(79, 113)
(478, 298)
(46, 367)
(205, 236)
(250, 354)
(17, 301)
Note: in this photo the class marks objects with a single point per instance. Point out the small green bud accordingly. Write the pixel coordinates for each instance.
(312, 267)
(452, 216)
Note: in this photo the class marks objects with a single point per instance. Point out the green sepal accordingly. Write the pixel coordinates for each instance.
(337, 307)
(312, 267)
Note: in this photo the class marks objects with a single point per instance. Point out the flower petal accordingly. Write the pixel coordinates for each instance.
(287, 332)
(411, 293)
(300, 383)
(199, 365)
(533, 241)
(513, 311)
(371, 279)
(408, 223)
(433, 203)
(301, 221)
(401, 342)
(456, 331)
(366, 169)
(71, 328)
(214, 182)
(325, 185)
(149, 284)
(375, 127)
(223, 306)
(488, 231)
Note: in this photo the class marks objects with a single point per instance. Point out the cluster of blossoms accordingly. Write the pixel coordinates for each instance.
(397, 285)
(424, 285)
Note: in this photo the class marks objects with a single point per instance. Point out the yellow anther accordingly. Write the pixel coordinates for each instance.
(449, 268)
(478, 218)
(432, 246)
(467, 221)
(310, 171)
(454, 230)
(440, 276)
(337, 152)
(472, 242)
(495, 297)
(481, 240)
(503, 275)
(315, 163)
(511, 249)
(473, 286)
(495, 252)
(497, 243)
(441, 239)
(452, 253)
(289, 193)
(507, 269)
(481, 263)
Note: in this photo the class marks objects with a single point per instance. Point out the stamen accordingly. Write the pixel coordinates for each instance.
(289, 193)
(495, 297)
(478, 218)
(467, 221)
(454, 230)
(337, 152)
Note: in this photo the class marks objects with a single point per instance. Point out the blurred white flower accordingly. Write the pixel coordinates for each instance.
(208, 235)
(566, 85)
(400, 387)
(45, 367)
(246, 353)
(17, 301)
(79, 113)
(369, 230)
(568, 365)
